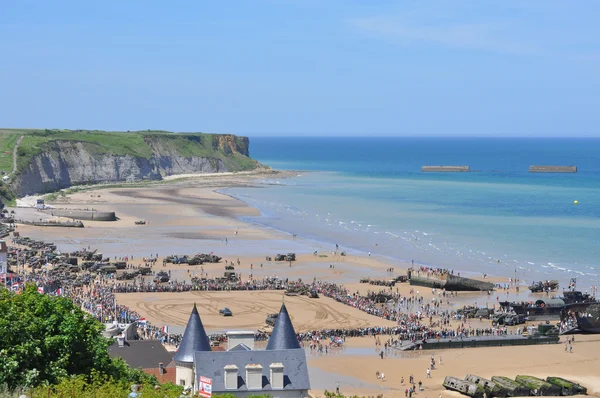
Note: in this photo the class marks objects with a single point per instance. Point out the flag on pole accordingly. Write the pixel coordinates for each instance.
(165, 329)
(59, 291)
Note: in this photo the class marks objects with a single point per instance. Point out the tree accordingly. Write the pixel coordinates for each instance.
(46, 338)
(98, 386)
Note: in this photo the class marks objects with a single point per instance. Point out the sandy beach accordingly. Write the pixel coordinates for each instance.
(190, 216)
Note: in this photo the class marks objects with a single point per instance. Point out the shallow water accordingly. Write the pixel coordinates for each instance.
(369, 195)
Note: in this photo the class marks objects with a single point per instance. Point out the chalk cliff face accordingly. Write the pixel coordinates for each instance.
(66, 163)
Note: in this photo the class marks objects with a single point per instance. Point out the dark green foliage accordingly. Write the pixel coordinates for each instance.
(46, 339)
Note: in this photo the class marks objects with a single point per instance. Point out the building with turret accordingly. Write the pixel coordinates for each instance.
(280, 370)
(194, 340)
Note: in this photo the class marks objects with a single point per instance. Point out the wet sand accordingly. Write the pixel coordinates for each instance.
(190, 217)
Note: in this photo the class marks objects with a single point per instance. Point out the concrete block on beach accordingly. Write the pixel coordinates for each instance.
(513, 388)
(552, 169)
(492, 389)
(450, 169)
(90, 215)
(567, 387)
(464, 387)
(538, 387)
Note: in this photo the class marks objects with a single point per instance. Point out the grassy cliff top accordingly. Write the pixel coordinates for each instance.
(233, 150)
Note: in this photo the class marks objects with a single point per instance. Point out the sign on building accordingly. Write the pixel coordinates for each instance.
(205, 387)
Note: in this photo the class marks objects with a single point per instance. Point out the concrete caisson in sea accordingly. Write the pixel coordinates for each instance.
(446, 169)
(552, 169)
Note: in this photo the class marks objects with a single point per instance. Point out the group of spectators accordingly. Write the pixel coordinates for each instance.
(414, 317)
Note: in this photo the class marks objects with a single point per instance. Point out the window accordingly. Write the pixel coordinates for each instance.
(182, 382)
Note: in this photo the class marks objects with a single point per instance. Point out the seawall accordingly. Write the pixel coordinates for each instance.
(84, 214)
(452, 169)
(553, 169)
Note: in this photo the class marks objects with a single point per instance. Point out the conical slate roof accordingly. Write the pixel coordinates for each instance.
(194, 339)
(283, 336)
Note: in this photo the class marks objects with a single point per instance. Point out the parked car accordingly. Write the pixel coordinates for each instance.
(225, 312)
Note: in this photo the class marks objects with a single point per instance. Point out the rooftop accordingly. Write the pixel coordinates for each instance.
(144, 354)
(295, 373)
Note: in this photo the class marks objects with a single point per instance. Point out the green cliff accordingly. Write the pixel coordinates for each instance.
(39, 161)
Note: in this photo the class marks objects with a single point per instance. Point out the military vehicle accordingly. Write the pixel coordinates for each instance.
(125, 276)
(107, 269)
(515, 319)
(286, 257)
(543, 286)
(271, 318)
(225, 312)
(120, 264)
(144, 271)
(230, 275)
(140, 222)
(161, 277)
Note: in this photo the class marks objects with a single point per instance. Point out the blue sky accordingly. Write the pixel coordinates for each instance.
(303, 67)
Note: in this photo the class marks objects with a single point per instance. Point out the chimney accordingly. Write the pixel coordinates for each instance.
(231, 377)
(161, 368)
(254, 377)
(276, 378)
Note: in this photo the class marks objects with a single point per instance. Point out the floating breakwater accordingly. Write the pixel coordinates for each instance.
(452, 169)
(552, 169)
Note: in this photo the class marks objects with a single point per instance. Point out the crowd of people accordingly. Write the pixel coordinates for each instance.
(412, 314)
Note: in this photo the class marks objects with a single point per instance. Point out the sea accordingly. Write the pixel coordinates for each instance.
(368, 195)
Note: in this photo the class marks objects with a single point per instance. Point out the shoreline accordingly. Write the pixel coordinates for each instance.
(218, 183)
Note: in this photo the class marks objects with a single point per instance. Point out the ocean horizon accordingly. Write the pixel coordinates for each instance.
(369, 195)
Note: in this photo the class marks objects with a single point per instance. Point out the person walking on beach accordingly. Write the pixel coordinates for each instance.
(337, 387)
(428, 373)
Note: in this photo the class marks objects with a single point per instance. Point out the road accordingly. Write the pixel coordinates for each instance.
(14, 170)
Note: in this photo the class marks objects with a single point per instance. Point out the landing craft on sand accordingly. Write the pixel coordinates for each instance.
(581, 318)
